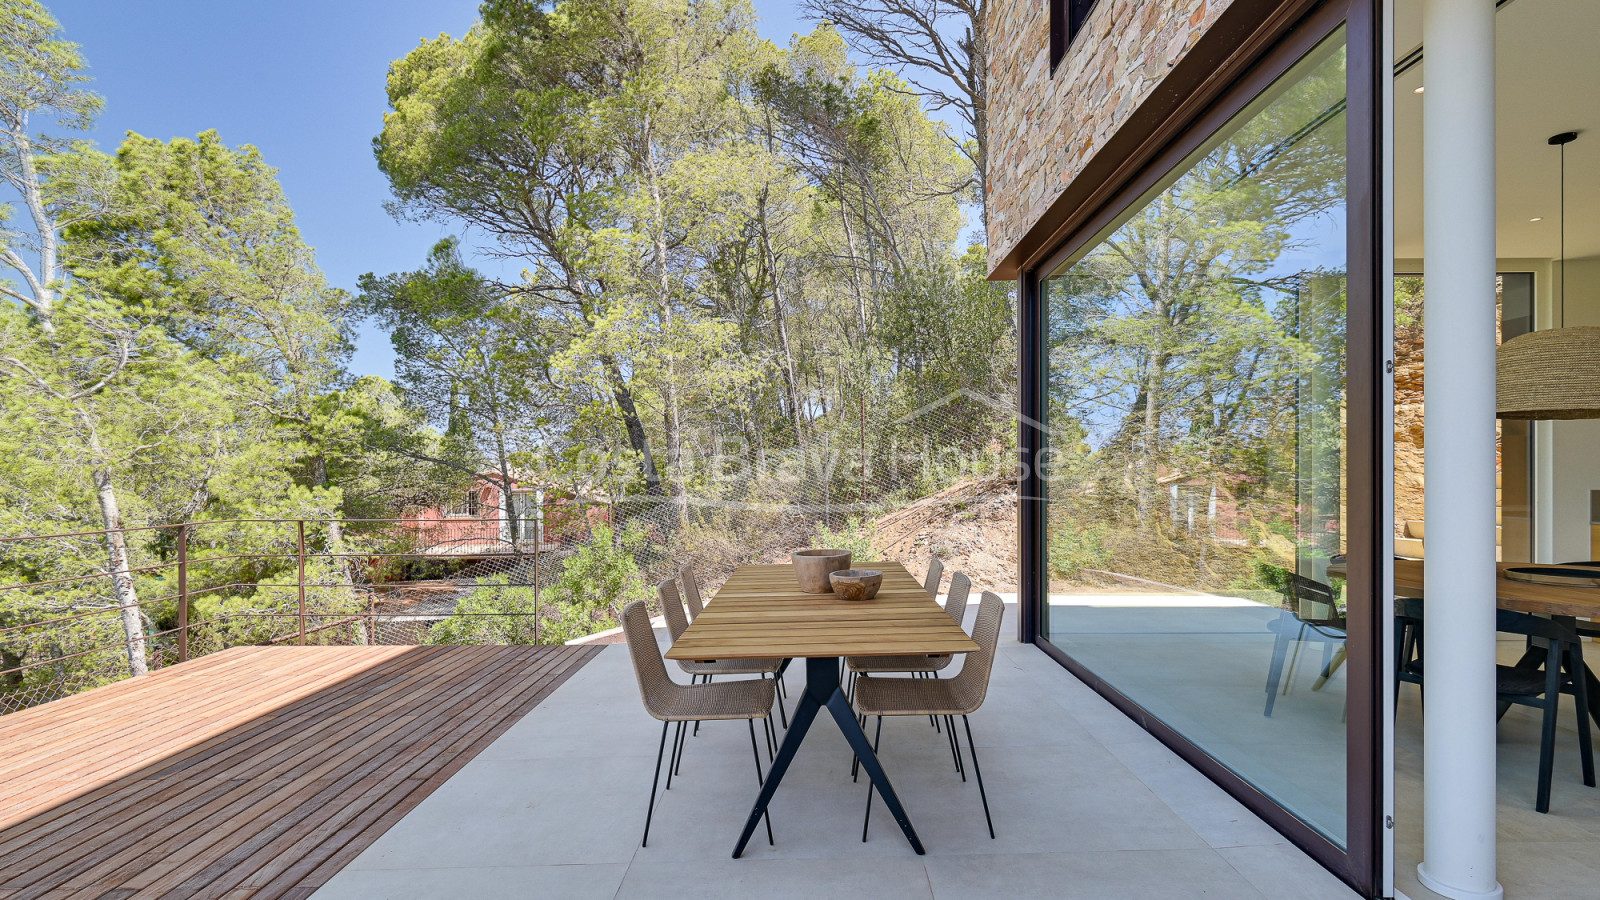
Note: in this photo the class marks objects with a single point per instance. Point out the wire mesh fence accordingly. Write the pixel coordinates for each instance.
(896, 482)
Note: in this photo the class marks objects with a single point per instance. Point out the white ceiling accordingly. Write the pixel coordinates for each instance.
(1547, 81)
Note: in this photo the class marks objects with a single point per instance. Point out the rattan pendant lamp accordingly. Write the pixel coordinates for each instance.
(1555, 373)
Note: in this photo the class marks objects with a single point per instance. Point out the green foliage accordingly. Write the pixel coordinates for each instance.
(728, 250)
(854, 535)
(495, 613)
(1074, 546)
(596, 581)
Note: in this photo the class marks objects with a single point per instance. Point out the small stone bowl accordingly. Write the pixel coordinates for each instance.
(811, 568)
(856, 584)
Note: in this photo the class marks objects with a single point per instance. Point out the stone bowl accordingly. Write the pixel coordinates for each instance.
(856, 584)
(811, 568)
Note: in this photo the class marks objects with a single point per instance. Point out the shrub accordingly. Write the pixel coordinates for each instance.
(856, 536)
(495, 613)
(1074, 548)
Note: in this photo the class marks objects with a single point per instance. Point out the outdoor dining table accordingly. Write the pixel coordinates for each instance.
(761, 613)
(1554, 600)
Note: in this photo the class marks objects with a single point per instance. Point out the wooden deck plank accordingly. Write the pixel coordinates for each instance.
(301, 772)
(95, 747)
(198, 759)
(385, 763)
(258, 774)
(284, 864)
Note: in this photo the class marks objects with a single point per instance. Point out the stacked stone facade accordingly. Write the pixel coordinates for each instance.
(1044, 127)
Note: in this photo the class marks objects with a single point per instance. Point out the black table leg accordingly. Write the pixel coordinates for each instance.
(822, 689)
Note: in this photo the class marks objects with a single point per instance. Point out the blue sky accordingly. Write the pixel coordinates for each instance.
(303, 81)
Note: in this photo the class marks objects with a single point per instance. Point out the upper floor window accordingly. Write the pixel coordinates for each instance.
(1066, 20)
(467, 506)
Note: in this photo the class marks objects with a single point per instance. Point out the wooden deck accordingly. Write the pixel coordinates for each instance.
(253, 773)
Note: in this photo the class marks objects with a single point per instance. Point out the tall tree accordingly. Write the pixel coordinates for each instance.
(202, 236)
(471, 361)
(40, 76)
(492, 131)
(940, 46)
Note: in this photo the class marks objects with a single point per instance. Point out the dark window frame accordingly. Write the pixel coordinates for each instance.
(1251, 45)
(1067, 18)
(468, 507)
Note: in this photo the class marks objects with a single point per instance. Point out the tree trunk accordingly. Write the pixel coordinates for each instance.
(672, 413)
(638, 439)
(791, 380)
(42, 284)
(319, 478)
(117, 565)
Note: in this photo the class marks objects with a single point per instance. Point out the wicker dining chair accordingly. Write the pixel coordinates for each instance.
(670, 702)
(930, 582)
(691, 597)
(948, 697)
(955, 604)
(678, 623)
(691, 591)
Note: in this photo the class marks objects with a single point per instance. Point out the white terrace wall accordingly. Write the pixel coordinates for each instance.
(1044, 127)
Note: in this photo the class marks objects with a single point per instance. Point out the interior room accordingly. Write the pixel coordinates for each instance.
(1205, 585)
(1548, 249)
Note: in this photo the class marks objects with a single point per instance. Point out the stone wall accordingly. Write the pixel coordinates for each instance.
(1044, 128)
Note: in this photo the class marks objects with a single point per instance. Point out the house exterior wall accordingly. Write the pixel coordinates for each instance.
(1044, 127)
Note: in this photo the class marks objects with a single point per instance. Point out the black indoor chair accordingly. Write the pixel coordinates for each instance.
(1407, 642)
(1311, 611)
(1524, 685)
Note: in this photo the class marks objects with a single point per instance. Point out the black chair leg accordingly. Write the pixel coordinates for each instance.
(867, 819)
(683, 744)
(672, 759)
(850, 697)
(760, 782)
(1580, 694)
(651, 809)
(976, 770)
(777, 691)
(955, 747)
(934, 675)
(1280, 649)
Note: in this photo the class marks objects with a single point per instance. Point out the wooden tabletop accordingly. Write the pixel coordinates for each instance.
(1546, 599)
(761, 613)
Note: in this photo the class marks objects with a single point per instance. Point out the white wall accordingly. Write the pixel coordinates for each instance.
(1575, 445)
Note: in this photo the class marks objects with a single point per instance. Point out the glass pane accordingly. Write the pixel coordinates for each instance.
(1197, 420)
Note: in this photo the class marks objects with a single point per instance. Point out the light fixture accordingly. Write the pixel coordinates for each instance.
(1555, 373)
(1418, 89)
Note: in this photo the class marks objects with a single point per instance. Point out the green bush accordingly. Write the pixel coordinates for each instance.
(495, 613)
(856, 536)
(595, 583)
(1074, 548)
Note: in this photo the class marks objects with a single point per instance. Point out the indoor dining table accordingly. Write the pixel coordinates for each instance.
(1555, 600)
(761, 613)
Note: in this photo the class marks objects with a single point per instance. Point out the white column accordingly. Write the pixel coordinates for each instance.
(1458, 757)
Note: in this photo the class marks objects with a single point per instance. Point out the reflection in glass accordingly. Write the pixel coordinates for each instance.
(1197, 419)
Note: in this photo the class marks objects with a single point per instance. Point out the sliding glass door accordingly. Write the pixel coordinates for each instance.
(1204, 549)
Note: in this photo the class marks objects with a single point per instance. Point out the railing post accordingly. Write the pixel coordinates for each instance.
(300, 528)
(537, 537)
(183, 592)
